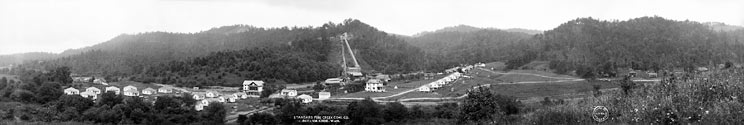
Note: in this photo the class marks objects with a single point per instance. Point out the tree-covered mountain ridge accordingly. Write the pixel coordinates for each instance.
(594, 47)
(148, 53)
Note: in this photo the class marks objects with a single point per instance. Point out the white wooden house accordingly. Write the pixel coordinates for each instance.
(374, 85)
(89, 94)
(288, 92)
(324, 95)
(212, 94)
(71, 91)
(424, 89)
(113, 89)
(94, 90)
(240, 95)
(435, 85)
(305, 98)
(131, 92)
(227, 99)
(198, 95)
(253, 87)
(165, 89)
(331, 81)
(130, 88)
(149, 91)
(199, 107)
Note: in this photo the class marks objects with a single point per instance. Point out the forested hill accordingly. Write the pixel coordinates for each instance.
(450, 47)
(306, 59)
(592, 47)
(142, 53)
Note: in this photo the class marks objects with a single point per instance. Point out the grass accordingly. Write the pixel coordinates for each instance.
(525, 91)
(521, 91)
(498, 66)
(541, 73)
(522, 77)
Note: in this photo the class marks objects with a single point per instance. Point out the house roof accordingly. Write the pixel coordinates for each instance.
(374, 81)
(253, 82)
(304, 96)
(355, 73)
(70, 89)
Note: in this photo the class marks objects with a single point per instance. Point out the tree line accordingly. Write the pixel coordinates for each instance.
(39, 97)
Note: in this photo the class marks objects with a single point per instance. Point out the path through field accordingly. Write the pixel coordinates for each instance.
(380, 99)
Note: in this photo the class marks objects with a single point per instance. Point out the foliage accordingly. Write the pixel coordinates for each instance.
(468, 45)
(395, 112)
(364, 112)
(214, 113)
(261, 119)
(645, 43)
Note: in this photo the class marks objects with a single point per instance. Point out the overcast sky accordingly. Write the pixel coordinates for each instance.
(57, 25)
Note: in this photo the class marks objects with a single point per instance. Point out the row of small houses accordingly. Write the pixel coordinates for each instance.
(93, 92)
(252, 88)
(448, 79)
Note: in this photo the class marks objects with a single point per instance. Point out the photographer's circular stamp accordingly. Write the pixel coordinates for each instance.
(600, 113)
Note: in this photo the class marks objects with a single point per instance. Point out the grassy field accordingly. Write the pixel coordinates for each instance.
(522, 77)
(541, 73)
(521, 91)
(498, 66)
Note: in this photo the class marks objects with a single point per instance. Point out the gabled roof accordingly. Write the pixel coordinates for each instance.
(70, 89)
(374, 81)
(253, 82)
(304, 96)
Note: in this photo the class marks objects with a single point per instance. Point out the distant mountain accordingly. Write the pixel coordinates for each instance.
(527, 31)
(137, 53)
(718, 26)
(593, 47)
(450, 47)
(6, 60)
(458, 28)
(466, 28)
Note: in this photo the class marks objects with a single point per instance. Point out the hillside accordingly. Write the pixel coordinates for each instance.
(144, 53)
(593, 47)
(447, 49)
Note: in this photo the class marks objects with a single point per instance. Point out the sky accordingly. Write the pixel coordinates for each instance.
(58, 25)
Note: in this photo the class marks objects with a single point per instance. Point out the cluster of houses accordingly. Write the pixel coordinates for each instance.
(88, 79)
(93, 92)
(304, 98)
(205, 98)
(439, 83)
(454, 74)
(251, 89)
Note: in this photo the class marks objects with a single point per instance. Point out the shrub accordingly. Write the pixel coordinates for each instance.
(261, 119)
